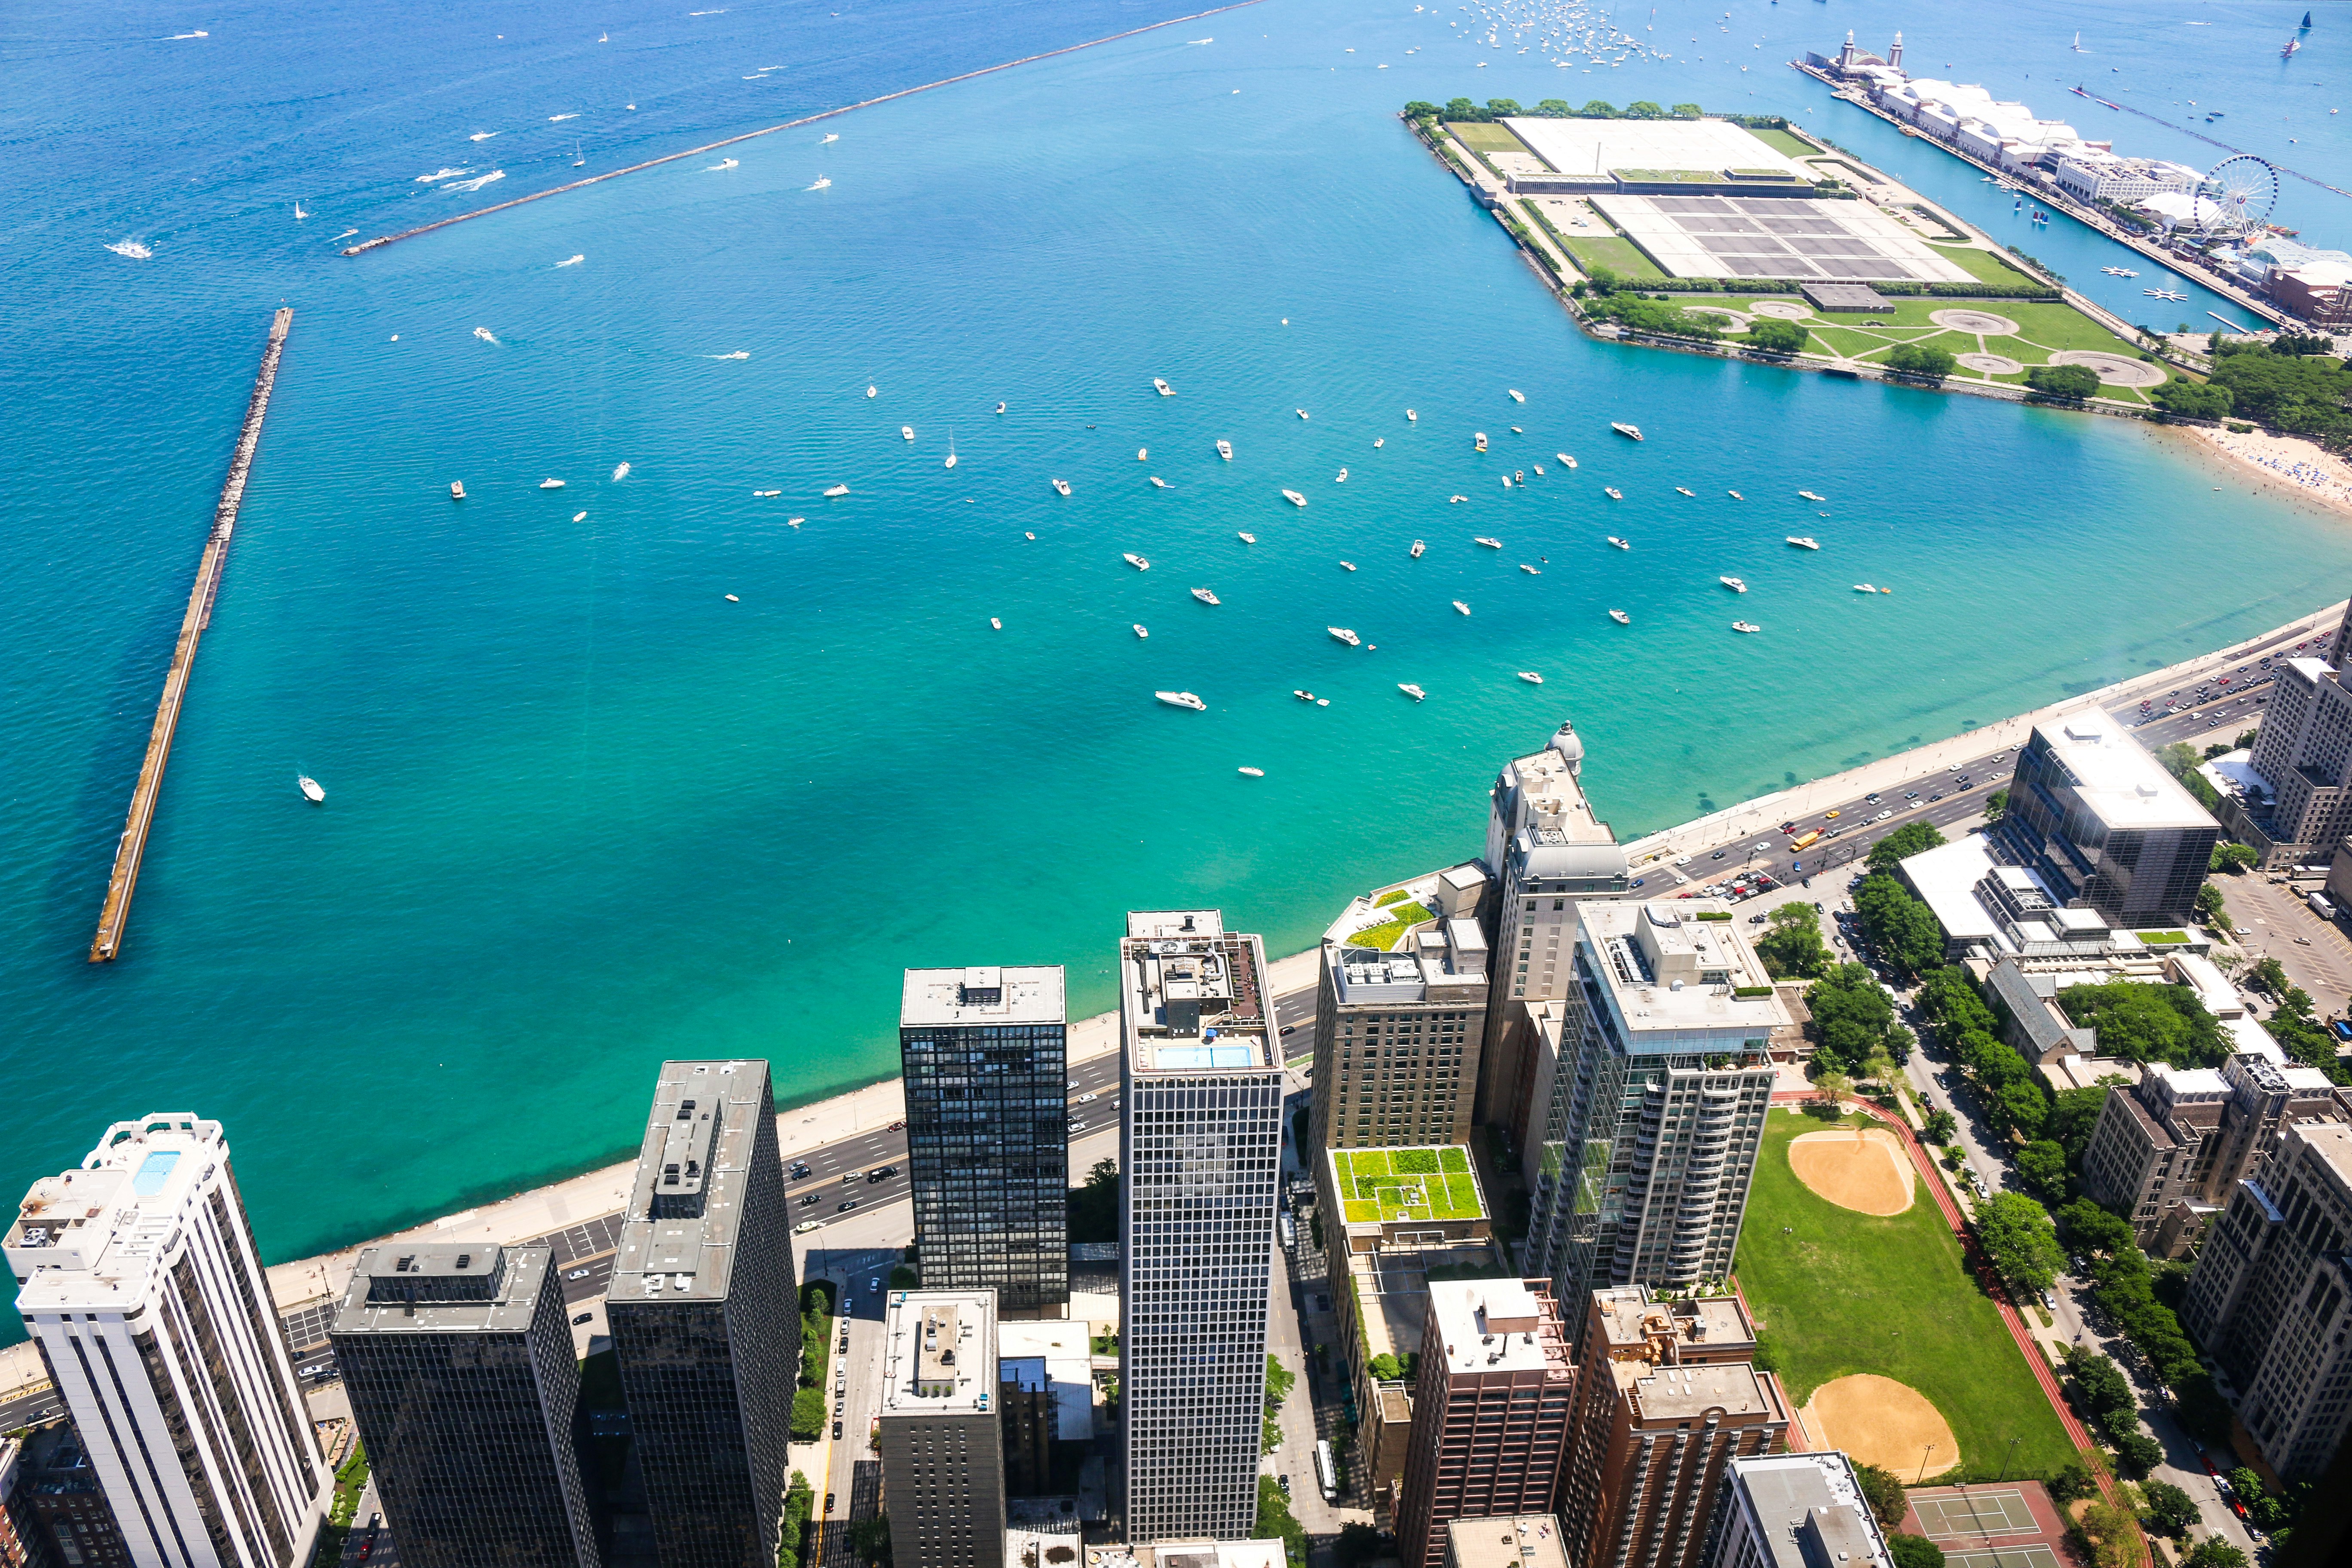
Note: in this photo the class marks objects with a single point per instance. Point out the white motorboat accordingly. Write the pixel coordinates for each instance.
(1341, 479)
(1746, 626)
(1253, 773)
(870, 389)
(1457, 499)
(1181, 699)
(733, 600)
(994, 624)
(1812, 497)
(1410, 417)
(1162, 388)
(1507, 481)
(1481, 440)
(1804, 541)
(1530, 570)
(1000, 408)
(1565, 460)
(1538, 468)
(794, 522)
(457, 489)
(1348, 566)
(837, 490)
(1063, 486)
(1461, 607)
(951, 457)
(1417, 548)
(908, 431)
(1531, 677)
(1140, 630)
(1226, 451)
(1309, 697)
(1341, 634)
(1734, 584)
(1489, 544)
(1620, 617)
(1867, 588)
(1247, 538)
(1138, 562)
(1613, 493)
(310, 788)
(1142, 454)
(620, 473)
(1734, 495)
(1410, 690)
(550, 484)
(1300, 411)
(1294, 497)
(1158, 483)
(1517, 396)
(1378, 441)
(579, 516)
(1680, 491)
(1634, 431)
(1205, 597)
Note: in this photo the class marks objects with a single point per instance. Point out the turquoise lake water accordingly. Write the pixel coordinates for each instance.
(585, 812)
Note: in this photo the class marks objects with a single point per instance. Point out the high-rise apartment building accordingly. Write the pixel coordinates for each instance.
(705, 1316)
(2104, 824)
(25, 1542)
(1200, 1153)
(57, 1500)
(458, 1363)
(1520, 1541)
(145, 1293)
(1490, 1411)
(1794, 1510)
(1657, 1100)
(941, 1430)
(1669, 1399)
(1545, 850)
(2304, 756)
(2268, 1300)
(987, 1142)
(1398, 1030)
(2167, 1151)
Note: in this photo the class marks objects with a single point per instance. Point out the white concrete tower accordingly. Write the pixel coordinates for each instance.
(144, 1289)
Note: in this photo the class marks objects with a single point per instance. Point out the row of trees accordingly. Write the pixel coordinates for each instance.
(2125, 1286)
(816, 1349)
(2142, 1022)
(1463, 111)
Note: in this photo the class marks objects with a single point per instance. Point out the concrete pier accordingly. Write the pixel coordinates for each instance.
(107, 944)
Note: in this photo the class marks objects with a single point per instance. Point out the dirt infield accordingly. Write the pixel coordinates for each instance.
(1882, 1422)
(1863, 1169)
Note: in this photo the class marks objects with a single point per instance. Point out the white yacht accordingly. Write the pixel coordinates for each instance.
(1247, 538)
(1410, 690)
(457, 489)
(1140, 630)
(579, 516)
(1063, 486)
(1461, 607)
(1138, 562)
(1000, 408)
(1517, 396)
(838, 490)
(1531, 677)
(1226, 451)
(1734, 495)
(1481, 440)
(1378, 441)
(1865, 588)
(1804, 541)
(869, 389)
(1162, 388)
(1734, 584)
(1746, 626)
(1158, 483)
(1341, 634)
(1342, 477)
(951, 457)
(908, 431)
(1294, 497)
(1410, 417)
(1530, 570)
(1142, 454)
(1810, 496)
(1457, 499)
(1489, 544)
(995, 625)
(1538, 468)
(1300, 411)
(550, 484)
(1205, 597)
(1417, 548)
(1348, 566)
(1253, 773)
(1181, 699)
(310, 788)
(1613, 493)
(1680, 491)
(1620, 617)
(1634, 431)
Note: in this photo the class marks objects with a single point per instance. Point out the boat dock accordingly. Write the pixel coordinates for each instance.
(107, 945)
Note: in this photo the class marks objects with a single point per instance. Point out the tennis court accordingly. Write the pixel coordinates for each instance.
(1982, 1513)
(2003, 1557)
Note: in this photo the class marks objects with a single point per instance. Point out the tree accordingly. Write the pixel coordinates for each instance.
(1094, 1208)
(1941, 1125)
(1904, 931)
(2109, 1530)
(1851, 1015)
(1279, 1381)
(2019, 1241)
(870, 1539)
(1596, 108)
(808, 1415)
(2235, 859)
(2192, 399)
(1911, 839)
(1359, 1543)
(1913, 1552)
(2099, 1383)
(1924, 360)
(2072, 381)
(2209, 906)
(2147, 1023)
(2214, 1552)
(2181, 761)
(2171, 1510)
(1501, 108)
(1776, 336)
(2072, 1482)
(2269, 977)
(1417, 109)
(1643, 108)
(2021, 1107)
(1996, 806)
(1833, 1087)
(1553, 109)
(1693, 112)
(2136, 1453)
(1385, 1368)
(1462, 108)
(1792, 949)
(2073, 1113)
(2042, 1166)
(1884, 1489)
(1274, 1521)
(2090, 1229)
(2305, 395)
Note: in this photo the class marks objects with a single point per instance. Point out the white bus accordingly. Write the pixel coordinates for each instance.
(1326, 1472)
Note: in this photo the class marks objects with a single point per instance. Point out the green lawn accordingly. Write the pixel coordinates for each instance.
(1781, 142)
(1483, 138)
(1623, 257)
(2043, 328)
(1841, 1292)
(1406, 1183)
(1984, 266)
(1403, 919)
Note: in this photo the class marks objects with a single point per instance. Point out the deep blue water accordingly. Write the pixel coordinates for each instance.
(585, 812)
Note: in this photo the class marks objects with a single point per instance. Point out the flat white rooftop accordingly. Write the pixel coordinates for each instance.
(1493, 1325)
(939, 1353)
(1024, 993)
(1601, 146)
(2116, 776)
(90, 1239)
(1676, 965)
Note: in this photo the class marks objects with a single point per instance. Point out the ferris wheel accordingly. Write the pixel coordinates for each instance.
(2236, 197)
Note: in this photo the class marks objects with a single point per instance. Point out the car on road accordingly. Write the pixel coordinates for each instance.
(1637, 882)
(1827, 815)
(897, 1127)
(807, 1225)
(844, 1206)
(828, 1497)
(1717, 855)
(873, 1284)
(581, 1318)
(1284, 1482)
(837, 1437)
(1934, 798)
(800, 1170)
(881, 1172)
(808, 1198)
(1088, 1099)
(1910, 794)
(1872, 798)
(577, 1274)
(1883, 815)
(1078, 1127)
(1757, 920)
(1289, 1029)
(2303, 941)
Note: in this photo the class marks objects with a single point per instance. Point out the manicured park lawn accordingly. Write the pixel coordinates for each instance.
(2043, 328)
(1984, 266)
(1483, 138)
(1621, 256)
(1406, 1183)
(1781, 142)
(1841, 1292)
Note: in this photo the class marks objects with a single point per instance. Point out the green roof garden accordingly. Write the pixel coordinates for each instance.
(1379, 1186)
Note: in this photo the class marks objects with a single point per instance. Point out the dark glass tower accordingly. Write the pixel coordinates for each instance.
(705, 1316)
(987, 1142)
(458, 1364)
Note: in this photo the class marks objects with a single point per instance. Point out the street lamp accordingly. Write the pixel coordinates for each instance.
(1923, 1465)
(2006, 1458)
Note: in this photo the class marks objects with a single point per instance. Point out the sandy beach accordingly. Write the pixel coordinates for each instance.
(2287, 465)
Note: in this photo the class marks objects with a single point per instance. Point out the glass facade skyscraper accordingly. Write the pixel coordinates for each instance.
(2104, 825)
(986, 1057)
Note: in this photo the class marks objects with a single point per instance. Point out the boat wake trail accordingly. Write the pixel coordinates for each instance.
(477, 184)
(571, 261)
(483, 333)
(739, 353)
(441, 175)
(481, 136)
(714, 168)
(553, 118)
(132, 248)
